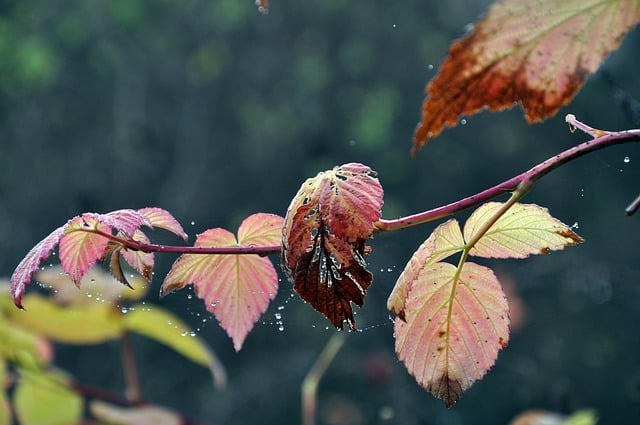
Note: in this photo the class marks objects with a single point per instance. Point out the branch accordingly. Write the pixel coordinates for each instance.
(602, 139)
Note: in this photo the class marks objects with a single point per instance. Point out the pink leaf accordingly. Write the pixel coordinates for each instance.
(142, 262)
(30, 263)
(455, 326)
(164, 220)
(125, 221)
(261, 229)
(79, 247)
(235, 288)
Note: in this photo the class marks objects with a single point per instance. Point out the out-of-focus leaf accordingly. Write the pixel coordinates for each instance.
(236, 288)
(166, 328)
(326, 227)
(537, 53)
(96, 286)
(5, 408)
(443, 242)
(540, 417)
(523, 230)
(140, 415)
(46, 400)
(30, 263)
(73, 324)
(455, 325)
(164, 220)
(79, 248)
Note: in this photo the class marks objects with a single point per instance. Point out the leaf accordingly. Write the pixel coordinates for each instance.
(46, 400)
(5, 408)
(137, 415)
(20, 346)
(454, 328)
(80, 248)
(95, 286)
(236, 288)
(443, 242)
(326, 227)
(536, 53)
(164, 220)
(72, 324)
(142, 262)
(540, 417)
(30, 263)
(524, 229)
(165, 328)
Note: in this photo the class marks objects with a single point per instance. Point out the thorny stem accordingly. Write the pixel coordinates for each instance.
(601, 140)
(311, 381)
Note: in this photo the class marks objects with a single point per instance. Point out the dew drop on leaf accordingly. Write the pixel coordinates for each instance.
(278, 316)
(627, 160)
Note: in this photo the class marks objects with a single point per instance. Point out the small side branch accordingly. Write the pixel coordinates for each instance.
(602, 139)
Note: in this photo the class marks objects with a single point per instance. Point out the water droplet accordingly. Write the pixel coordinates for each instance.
(627, 160)
(281, 307)
(575, 225)
(124, 310)
(183, 333)
(278, 316)
(463, 121)
(352, 142)
(430, 67)
(281, 328)
(193, 223)
(189, 296)
(192, 333)
(89, 295)
(394, 25)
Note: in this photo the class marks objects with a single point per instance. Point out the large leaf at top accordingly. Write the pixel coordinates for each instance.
(236, 288)
(455, 325)
(326, 227)
(525, 229)
(443, 242)
(534, 52)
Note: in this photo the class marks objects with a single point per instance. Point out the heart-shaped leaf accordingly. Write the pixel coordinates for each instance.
(236, 288)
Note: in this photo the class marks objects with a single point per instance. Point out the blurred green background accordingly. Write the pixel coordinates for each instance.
(213, 111)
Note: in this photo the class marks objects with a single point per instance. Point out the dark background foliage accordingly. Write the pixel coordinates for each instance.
(212, 111)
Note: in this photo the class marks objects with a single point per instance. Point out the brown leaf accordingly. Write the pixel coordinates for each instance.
(326, 228)
(534, 52)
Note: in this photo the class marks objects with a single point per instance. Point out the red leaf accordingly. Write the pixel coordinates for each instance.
(536, 53)
(142, 262)
(125, 221)
(30, 263)
(79, 248)
(164, 220)
(455, 326)
(326, 227)
(236, 288)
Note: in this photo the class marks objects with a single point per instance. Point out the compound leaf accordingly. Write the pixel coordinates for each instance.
(455, 325)
(236, 288)
(326, 227)
(523, 230)
(443, 242)
(537, 53)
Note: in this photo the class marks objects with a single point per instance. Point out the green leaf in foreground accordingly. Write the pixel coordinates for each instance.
(46, 400)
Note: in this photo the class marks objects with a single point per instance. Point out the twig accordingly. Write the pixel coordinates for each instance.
(132, 391)
(311, 381)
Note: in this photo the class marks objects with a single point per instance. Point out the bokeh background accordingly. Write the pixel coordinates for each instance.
(213, 111)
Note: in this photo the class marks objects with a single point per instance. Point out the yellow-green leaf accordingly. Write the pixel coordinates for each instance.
(164, 327)
(443, 242)
(46, 400)
(91, 324)
(137, 415)
(523, 230)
